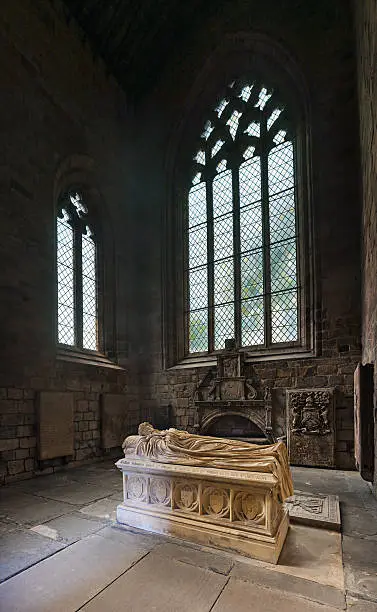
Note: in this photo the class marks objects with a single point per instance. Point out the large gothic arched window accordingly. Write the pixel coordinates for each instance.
(77, 276)
(241, 273)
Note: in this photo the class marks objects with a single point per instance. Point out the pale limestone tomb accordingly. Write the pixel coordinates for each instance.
(212, 491)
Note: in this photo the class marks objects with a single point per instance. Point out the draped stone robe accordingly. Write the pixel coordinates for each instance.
(183, 448)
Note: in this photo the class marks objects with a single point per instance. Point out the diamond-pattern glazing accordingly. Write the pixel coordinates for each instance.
(222, 193)
(233, 123)
(65, 282)
(253, 129)
(198, 246)
(224, 281)
(252, 274)
(272, 118)
(224, 325)
(251, 236)
(246, 92)
(218, 267)
(66, 329)
(197, 205)
(223, 237)
(282, 218)
(280, 168)
(89, 296)
(198, 331)
(252, 322)
(283, 266)
(250, 181)
(198, 288)
(264, 96)
(216, 148)
(88, 257)
(284, 317)
(89, 332)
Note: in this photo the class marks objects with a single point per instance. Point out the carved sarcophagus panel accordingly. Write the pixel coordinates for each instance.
(311, 427)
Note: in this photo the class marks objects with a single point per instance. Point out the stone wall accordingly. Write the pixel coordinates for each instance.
(321, 41)
(366, 27)
(57, 103)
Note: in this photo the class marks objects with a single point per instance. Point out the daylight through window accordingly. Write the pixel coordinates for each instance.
(76, 275)
(242, 231)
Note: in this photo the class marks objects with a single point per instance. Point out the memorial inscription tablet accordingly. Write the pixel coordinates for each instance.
(55, 424)
(311, 427)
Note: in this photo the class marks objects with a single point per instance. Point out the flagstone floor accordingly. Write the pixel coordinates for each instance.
(60, 551)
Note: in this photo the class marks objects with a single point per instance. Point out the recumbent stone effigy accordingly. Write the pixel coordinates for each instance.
(212, 491)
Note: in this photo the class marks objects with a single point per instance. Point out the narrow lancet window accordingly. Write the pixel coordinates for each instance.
(77, 278)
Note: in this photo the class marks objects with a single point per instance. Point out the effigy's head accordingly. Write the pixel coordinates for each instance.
(145, 429)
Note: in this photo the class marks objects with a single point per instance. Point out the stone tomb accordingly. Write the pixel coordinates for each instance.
(233, 510)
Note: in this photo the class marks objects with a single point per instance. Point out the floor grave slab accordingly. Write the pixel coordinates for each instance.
(103, 509)
(69, 579)
(239, 596)
(20, 549)
(314, 510)
(194, 556)
(360, 567)
(160, 586)
(29, 510)
(68, 529)
(308, 553)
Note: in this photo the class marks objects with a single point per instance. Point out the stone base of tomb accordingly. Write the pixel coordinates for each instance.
(233, 510)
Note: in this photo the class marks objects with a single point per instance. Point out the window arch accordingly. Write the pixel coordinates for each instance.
(77, 273)
(243, 236)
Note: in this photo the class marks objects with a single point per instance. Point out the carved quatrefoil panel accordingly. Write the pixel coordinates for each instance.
(137, 488)
(159, 491)
(186, 496)
(248, 507)
(216, 502)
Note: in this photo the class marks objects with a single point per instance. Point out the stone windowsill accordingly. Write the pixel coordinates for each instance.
(86, 357)
(210, 360)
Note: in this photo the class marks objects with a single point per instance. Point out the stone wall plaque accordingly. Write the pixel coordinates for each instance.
(314, 510)
(311, 427)
(113, 419)
(55, 424)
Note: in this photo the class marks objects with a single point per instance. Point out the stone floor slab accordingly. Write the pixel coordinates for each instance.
(130, 538)
(321, 593)
(166, 586)
(194, 556)
(359, 521)
(68, 528)
(103, 509)
(78, 495)
(68, 580)
(28, 510)
(360, 605)
(239, 596)
(20, 549)
(308, 553)
(360, 567)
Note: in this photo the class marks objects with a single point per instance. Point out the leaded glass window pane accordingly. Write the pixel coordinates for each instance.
(65, 269)
(242, 239)
(89, 293)
(76, 275)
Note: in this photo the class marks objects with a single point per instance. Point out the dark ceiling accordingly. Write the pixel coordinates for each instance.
(136, 37)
